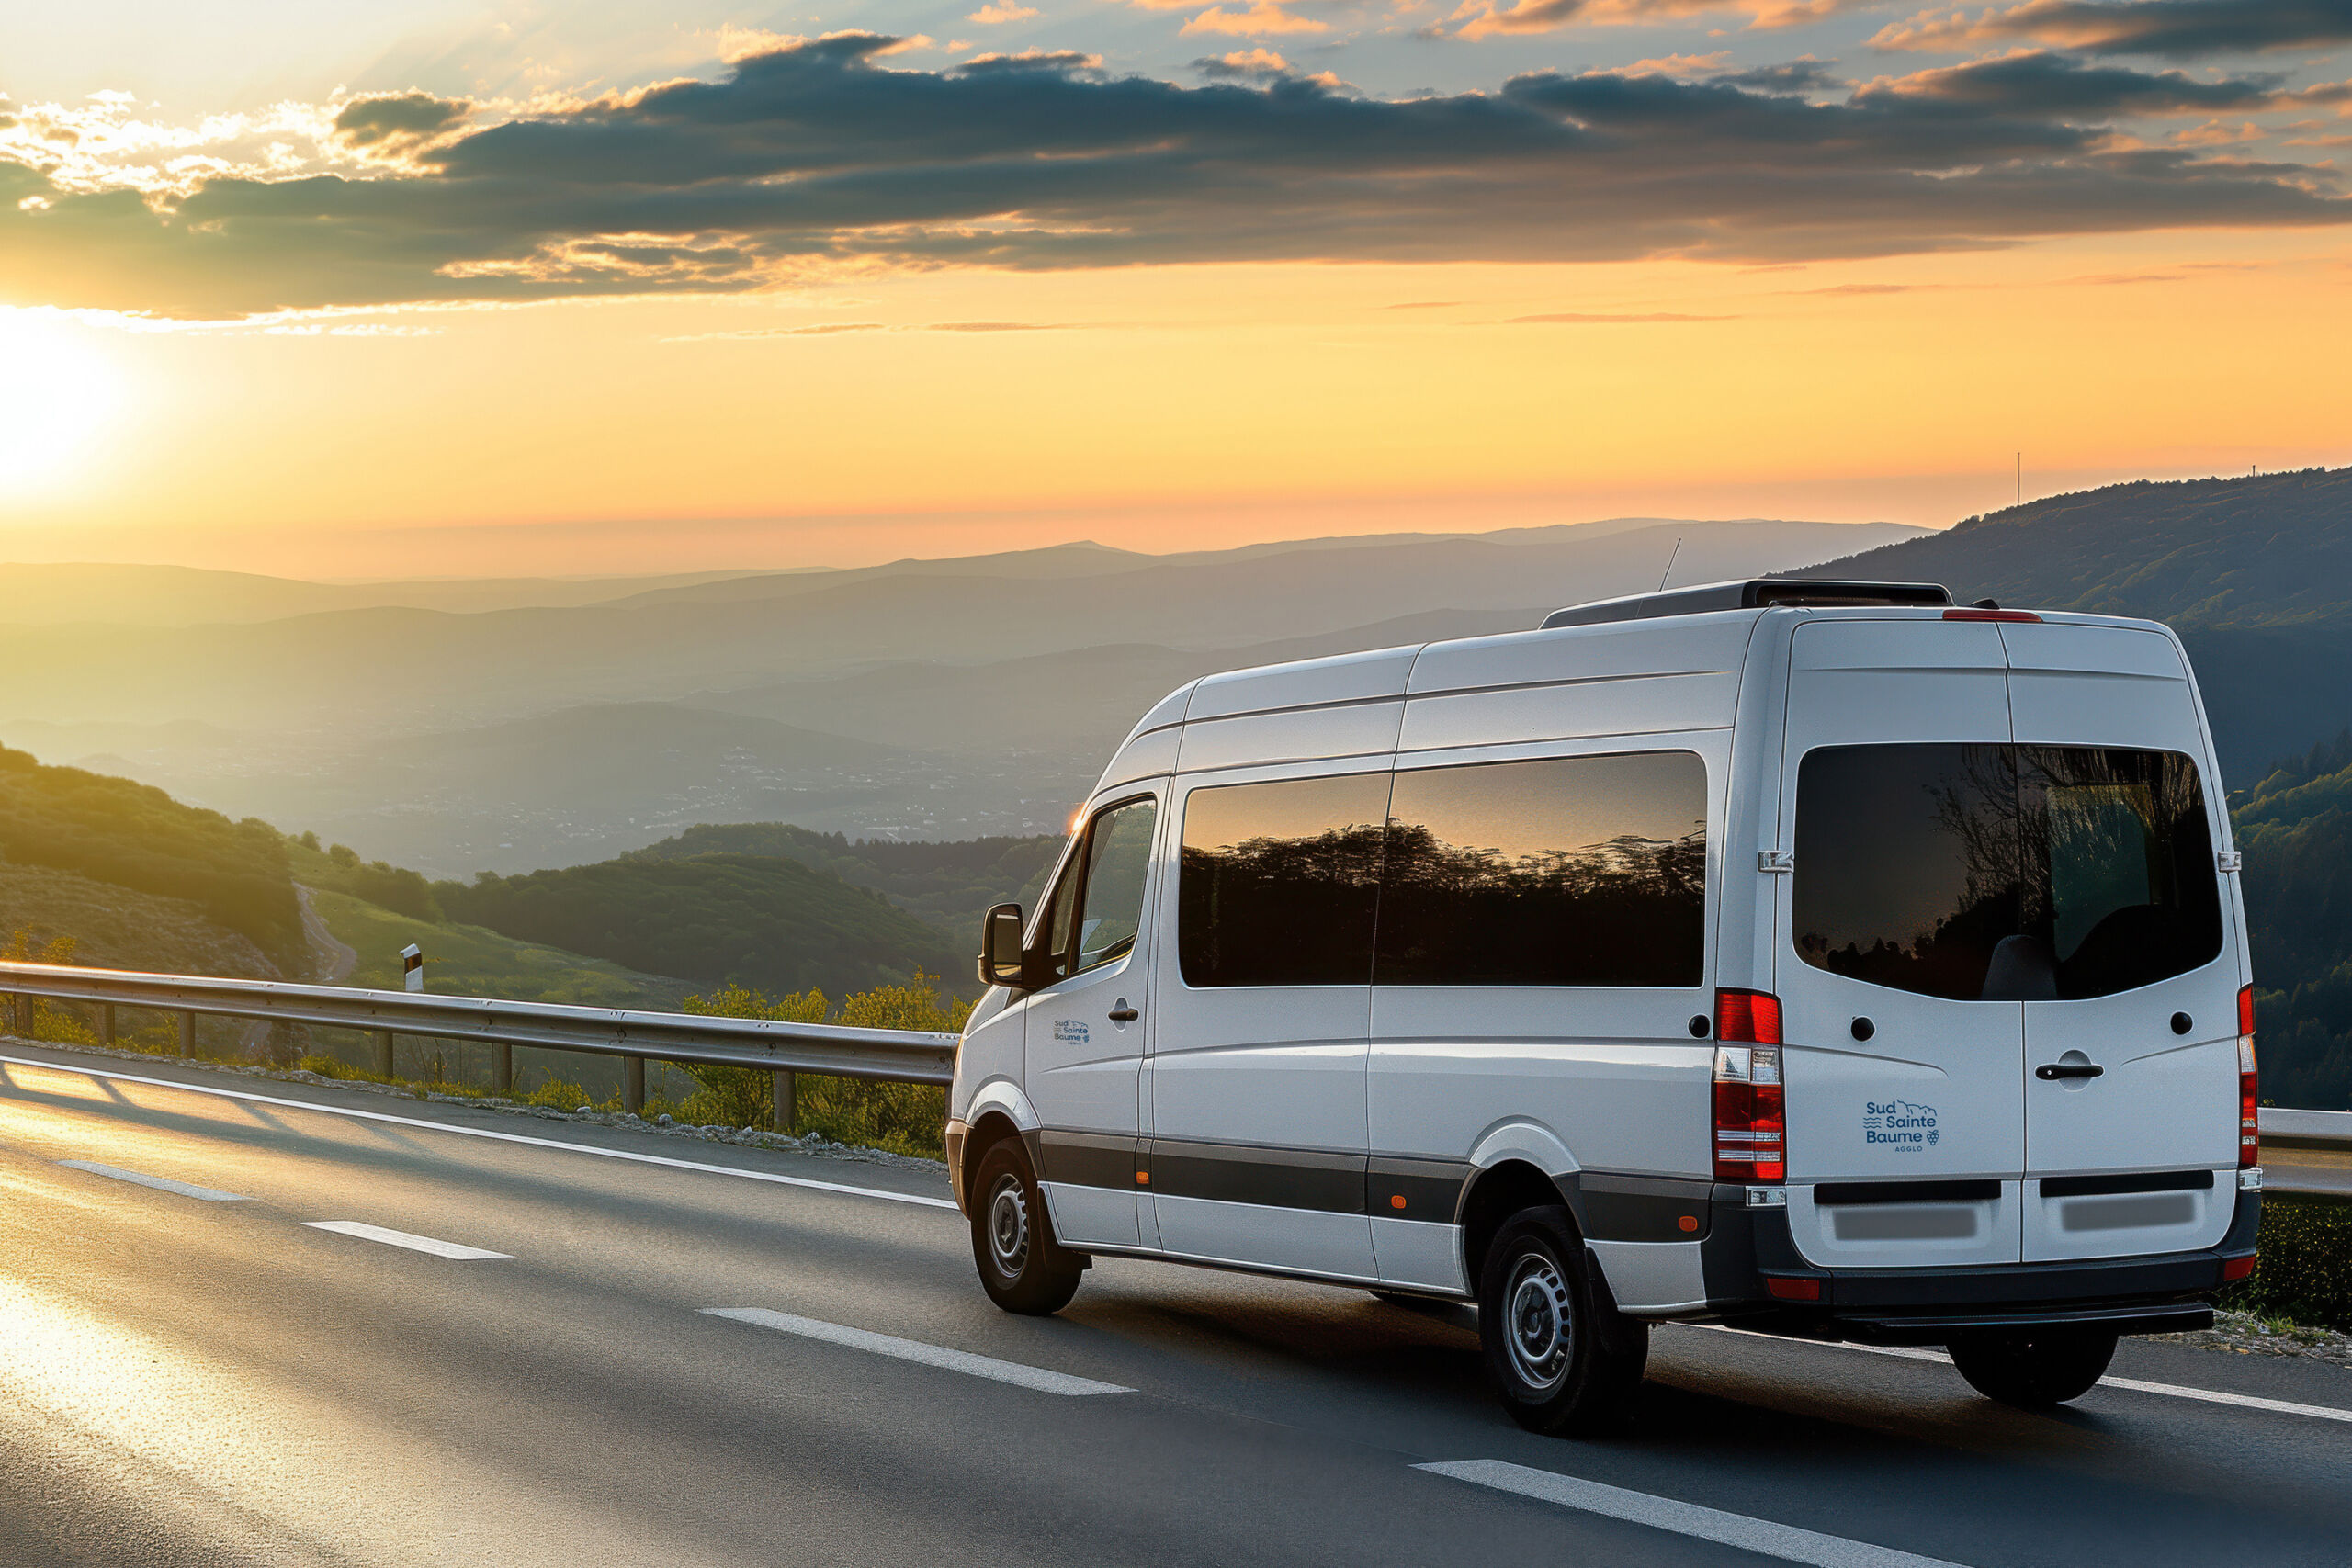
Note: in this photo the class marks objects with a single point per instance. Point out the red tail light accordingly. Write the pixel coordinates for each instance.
(2249, 1105)
(1750, 1126)
(1749, 1018)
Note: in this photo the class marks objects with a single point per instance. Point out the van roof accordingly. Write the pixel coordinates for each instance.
(1754, 593)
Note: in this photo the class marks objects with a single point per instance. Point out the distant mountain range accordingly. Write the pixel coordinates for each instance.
(921, 700)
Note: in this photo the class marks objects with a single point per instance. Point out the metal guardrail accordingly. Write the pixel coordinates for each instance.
(890, 1055)
(2307, 1153)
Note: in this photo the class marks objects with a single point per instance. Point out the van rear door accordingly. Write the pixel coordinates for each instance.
(1904, 1086)
(2131, 1087)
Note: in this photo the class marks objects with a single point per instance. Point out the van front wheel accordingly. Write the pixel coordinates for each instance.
(2034, 1369)
(1023, 1267)
(1564, 1358)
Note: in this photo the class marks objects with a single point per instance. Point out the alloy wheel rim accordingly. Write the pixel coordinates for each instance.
(1009, 1226)
(1539, 1324)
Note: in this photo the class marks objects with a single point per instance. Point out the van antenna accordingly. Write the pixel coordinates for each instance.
(1670, 564)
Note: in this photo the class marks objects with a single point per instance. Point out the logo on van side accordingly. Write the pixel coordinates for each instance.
(1899, 1125)
(1069, 1032)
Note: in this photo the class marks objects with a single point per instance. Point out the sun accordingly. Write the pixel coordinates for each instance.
(58, 393)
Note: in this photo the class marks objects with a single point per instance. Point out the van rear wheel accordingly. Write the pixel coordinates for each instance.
(1564, 1358)
(1023, 1267)
(2034, 1369)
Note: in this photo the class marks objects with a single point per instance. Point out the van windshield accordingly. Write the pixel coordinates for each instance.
(1993, 872)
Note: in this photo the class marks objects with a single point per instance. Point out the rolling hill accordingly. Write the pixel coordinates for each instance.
(770, 923)
(2267, 550)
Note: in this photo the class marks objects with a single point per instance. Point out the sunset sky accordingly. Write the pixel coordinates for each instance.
(468, 286)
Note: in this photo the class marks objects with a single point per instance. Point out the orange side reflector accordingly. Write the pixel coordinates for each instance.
(1143, 1178)
(1689, 1221)
(1396, 1200)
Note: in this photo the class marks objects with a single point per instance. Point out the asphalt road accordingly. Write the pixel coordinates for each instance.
(194, 1378)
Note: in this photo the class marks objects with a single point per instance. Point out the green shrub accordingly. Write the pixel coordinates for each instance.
(2305, 1273)
(900, 1117)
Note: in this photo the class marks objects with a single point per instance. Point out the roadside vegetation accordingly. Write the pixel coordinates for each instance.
(2305, 1273)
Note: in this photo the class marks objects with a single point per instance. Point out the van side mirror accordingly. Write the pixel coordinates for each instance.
(1000, 956)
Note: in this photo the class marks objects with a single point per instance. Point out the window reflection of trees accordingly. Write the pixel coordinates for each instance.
(1629, 911)
(2074, 874)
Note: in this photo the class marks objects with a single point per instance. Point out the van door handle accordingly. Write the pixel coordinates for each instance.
(2052, 1072)
(1124, 1015)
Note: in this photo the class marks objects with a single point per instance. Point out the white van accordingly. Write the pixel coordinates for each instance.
(1822, 958)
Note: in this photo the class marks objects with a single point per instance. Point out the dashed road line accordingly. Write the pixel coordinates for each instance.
(2135, 1385)
(964, 1361)
(810, 1183)
(160, 1183)
(1762, 1536)
(401, 1238)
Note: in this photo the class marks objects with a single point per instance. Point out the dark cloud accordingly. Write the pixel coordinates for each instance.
(814, 156)
(1794, 76)
(398, 121)
(1034, 62)
(2179, 29)
(2059, 84)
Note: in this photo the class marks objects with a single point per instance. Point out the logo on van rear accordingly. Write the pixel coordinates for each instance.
(1899, 1125)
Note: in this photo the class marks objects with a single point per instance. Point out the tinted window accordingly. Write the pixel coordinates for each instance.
(2119, 881)
(1576, 871)
(1278, 881)
(1117, 858)
(2004, 872)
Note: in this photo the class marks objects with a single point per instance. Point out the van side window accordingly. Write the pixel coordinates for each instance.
(1571, 871)
(1998, 873)
(1278, 882)
(1118, 856)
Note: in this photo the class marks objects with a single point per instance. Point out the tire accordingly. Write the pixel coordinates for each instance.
(1022, 1267)
(1564, 1358)
(2034, 1369)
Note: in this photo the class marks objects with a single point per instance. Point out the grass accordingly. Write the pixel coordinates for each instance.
(476, 961)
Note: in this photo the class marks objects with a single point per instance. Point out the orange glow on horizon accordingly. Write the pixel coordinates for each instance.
(1173, 407)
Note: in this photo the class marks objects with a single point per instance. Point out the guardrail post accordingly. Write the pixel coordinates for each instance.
(24, 1017)
(501, 1067)
(105, 1023)
(383, 1055)
(188, 1035)
(788, 1109)
(632, 1084)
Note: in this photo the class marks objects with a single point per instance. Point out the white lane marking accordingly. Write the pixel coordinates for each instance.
(964, 1361)
(401, 1238)
(1762, 1536)
(806, 1181)
(2169, 1389)
(160, 1183)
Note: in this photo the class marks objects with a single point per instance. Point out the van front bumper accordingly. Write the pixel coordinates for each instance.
(1752, 1269)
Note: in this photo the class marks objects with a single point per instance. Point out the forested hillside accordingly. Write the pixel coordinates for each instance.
(767, 923)
(2267, 550)
(949, 883)
(108, 830)
(2295, 831)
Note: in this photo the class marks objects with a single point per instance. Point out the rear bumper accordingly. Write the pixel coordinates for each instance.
(1749, 1253)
